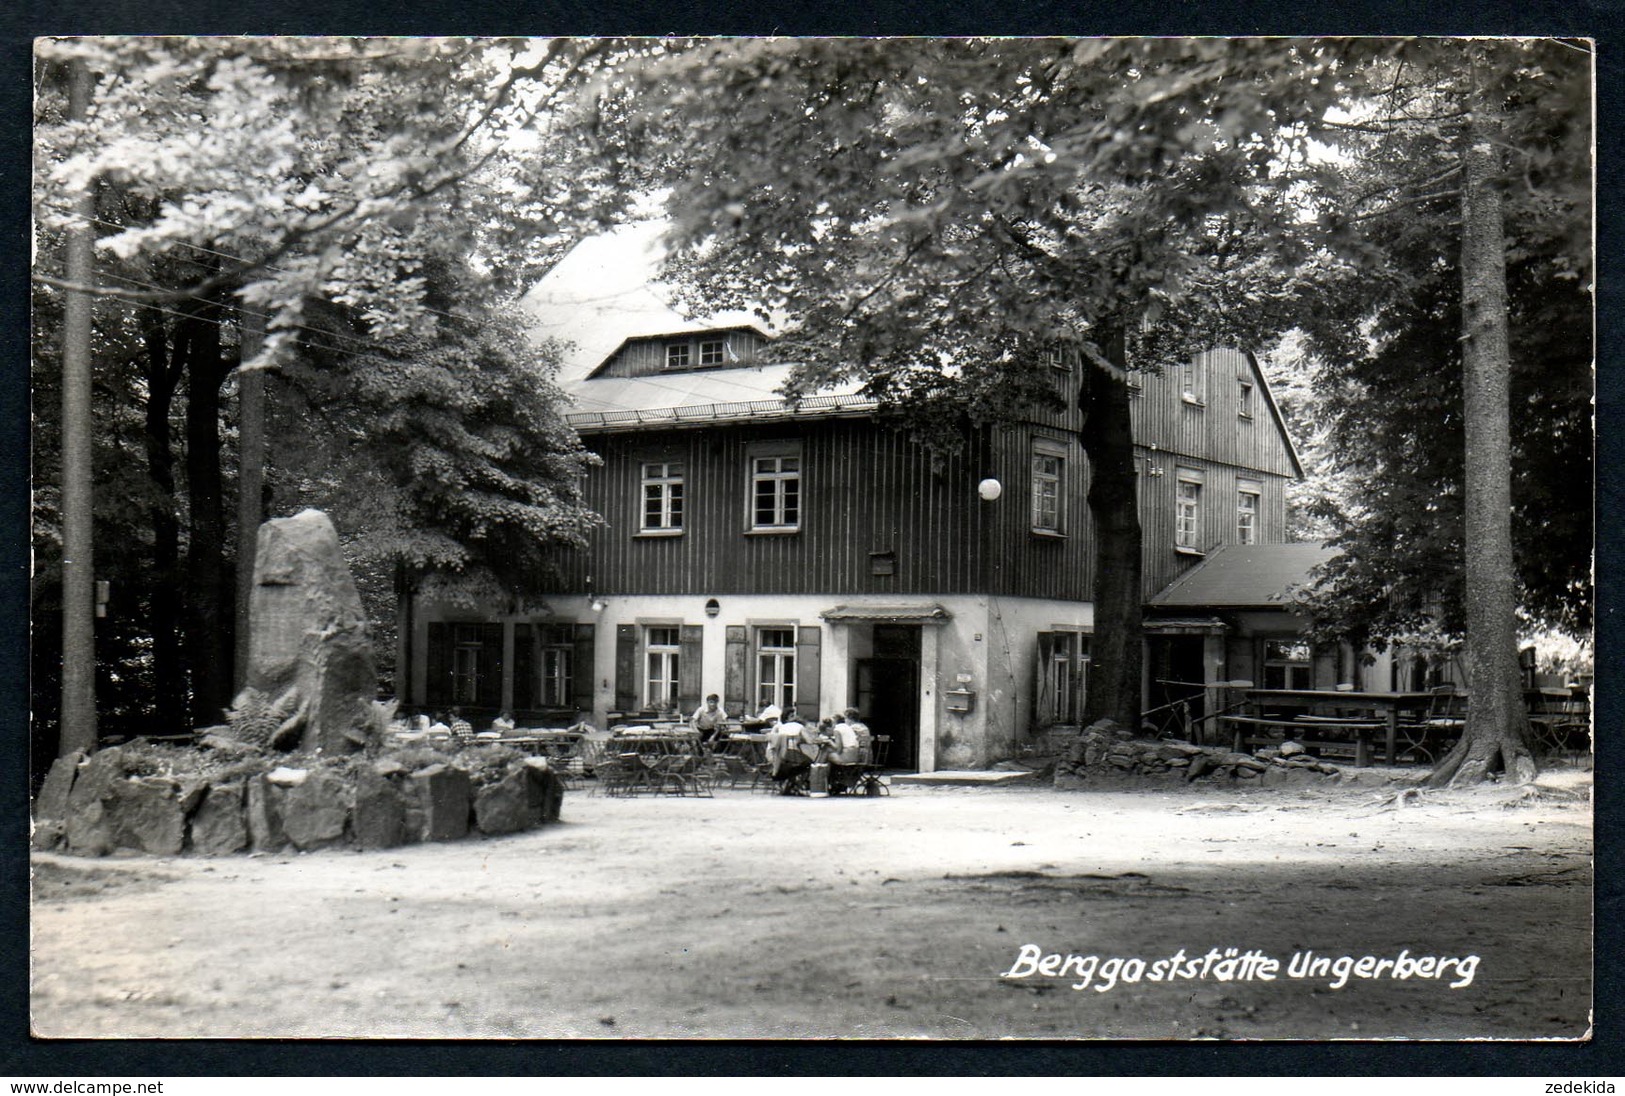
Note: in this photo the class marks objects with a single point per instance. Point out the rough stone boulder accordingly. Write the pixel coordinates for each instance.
(219, 825)
(438, 806)
(147, 813)
(309, 651)
(88, 819)
(505, 806)
(315, 810)
(379, 821)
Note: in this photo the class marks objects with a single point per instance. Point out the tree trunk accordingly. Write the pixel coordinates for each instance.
(1496, 734)
(250, 480)
(209, 645)
(164, 368)
(1117, 649)
(77, 726)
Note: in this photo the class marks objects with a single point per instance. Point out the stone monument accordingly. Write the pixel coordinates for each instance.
(309, 655)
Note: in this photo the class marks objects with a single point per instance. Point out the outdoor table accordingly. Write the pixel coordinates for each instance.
(1328, 708)
(749, 748)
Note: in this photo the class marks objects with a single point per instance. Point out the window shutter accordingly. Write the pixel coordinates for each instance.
(489, 692)
(525, 660)
(582, 673)
(437, 681)
(735, 697)
(807, 672)
(688, 668)
(626, 667)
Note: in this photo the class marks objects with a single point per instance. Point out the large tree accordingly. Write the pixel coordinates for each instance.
(932, 218)
(356, 202)
(1456, 349)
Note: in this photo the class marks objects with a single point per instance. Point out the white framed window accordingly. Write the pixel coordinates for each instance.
(662, 497)
(1055, 357)
(662, 650)
(713, 351)
(677, 355)
(1188, 510)
(1064, 676)
(1190, 383)
(1247, 496)
(1048, 486)
(775, 490)
(557, 683)
(1244, 400)
(775, 667)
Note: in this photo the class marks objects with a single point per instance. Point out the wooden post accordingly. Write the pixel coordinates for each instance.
(78, 720)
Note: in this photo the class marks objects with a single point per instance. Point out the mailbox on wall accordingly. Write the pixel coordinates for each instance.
(960, 700)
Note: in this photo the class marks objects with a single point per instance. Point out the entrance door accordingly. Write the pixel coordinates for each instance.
(888, 698)
(1176, 676)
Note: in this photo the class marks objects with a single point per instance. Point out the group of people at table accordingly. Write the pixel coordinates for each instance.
(791, 743)
(841, 739)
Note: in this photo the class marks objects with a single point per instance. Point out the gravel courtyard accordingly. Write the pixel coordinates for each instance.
(751, 915)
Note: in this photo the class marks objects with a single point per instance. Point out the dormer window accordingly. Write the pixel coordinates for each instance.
(677, 355)
(712, 351)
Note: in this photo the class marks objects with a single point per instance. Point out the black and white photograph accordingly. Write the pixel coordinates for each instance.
(852, 538)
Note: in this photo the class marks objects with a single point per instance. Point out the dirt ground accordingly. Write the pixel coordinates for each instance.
(751, 915)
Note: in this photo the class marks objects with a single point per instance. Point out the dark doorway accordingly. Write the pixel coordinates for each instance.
(1177, 693)
(887, 688)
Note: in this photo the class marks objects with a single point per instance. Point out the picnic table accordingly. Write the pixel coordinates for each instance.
(1330, 718)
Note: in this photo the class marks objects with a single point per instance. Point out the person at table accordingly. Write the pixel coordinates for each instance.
(503, 722)
(461, 729)
(847, 743)
(439, 726)
(708, 721)
(788, 735)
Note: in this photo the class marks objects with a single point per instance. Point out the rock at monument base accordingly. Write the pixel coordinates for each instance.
(145, 814)
(53, 794)
(379, 821)
(264, 812)
(87, 821)
(440, 794)
(504, 807)
(49, 833)
(314, 812)
(309, 632)
(219, 826)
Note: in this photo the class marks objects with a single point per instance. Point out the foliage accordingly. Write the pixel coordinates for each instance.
(1387, 342)
(931, 219)
(368, 205)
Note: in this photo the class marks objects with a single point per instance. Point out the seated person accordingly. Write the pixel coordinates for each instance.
(439, 726)
(461, 729)
(847, 748)
(503, 723)
(710, 720)
(769, 714)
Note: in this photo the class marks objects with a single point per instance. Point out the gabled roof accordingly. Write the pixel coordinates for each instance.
(1275, 413)
(605, 292)
(1244, 576)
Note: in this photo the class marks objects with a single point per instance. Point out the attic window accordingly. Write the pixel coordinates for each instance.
(1244, 401)
(712, 351)
(677, 355)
